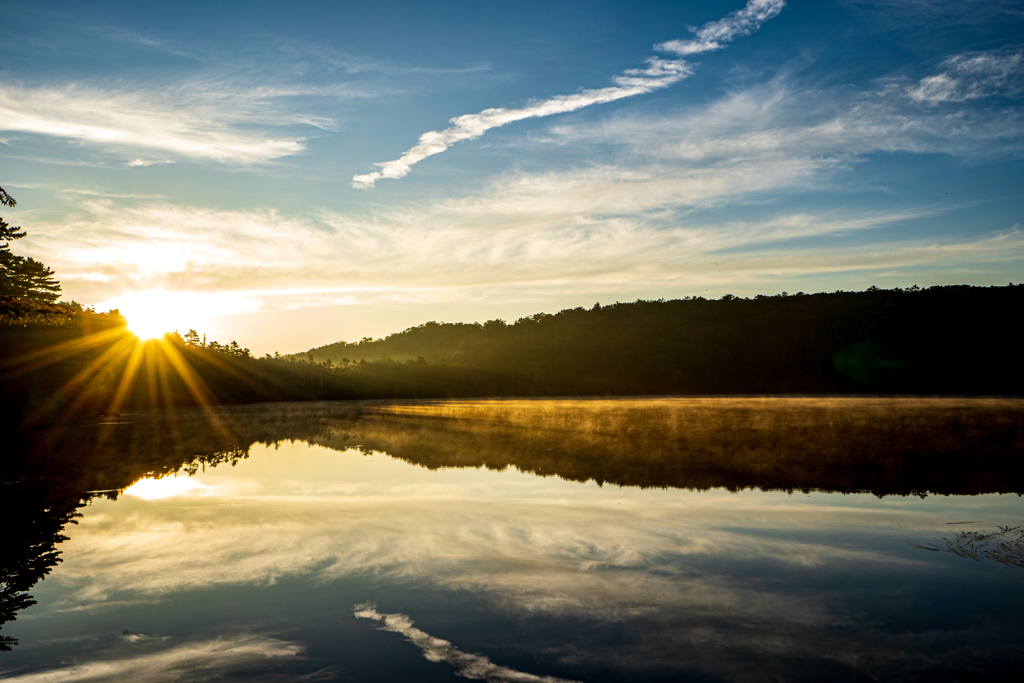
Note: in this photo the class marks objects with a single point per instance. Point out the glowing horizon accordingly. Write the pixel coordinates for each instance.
(151, 314)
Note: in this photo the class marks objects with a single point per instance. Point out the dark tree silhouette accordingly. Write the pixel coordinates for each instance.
(27, 278)
(22, 277)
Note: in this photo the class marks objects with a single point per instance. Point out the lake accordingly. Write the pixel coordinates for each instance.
(582, 540)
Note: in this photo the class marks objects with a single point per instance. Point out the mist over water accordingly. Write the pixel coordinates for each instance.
(660, 539)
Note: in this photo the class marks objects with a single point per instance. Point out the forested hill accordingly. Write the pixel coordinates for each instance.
(949, 339)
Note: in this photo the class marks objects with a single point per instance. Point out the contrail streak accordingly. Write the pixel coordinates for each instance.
(660, 73)
(715, 34)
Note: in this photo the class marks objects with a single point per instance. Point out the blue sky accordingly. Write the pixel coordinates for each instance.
(224, 155)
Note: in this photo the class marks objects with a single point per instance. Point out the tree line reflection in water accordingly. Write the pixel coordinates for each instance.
(883, 446)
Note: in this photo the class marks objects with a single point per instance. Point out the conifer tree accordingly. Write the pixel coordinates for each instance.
(22, 277)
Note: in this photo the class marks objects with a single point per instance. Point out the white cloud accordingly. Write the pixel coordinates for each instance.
(604, 227)
(784, 120)
(147, 162)
(466, 665)
(659, 74)
(534, 545)
(192, 120)
(519, 233)
(144, 242)
(715, 34)
(973, 75)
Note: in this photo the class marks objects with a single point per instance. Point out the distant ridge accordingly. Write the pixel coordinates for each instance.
(945, 339)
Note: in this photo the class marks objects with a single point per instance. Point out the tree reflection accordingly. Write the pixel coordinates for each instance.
(48, 476)
(33, 521)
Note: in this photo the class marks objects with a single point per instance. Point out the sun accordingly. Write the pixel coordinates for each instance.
(139, 354)
(151, 314)
(146, 324)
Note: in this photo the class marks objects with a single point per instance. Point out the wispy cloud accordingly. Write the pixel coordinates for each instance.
(116, 34)
(304, 55)
(434, 649)
(624, 228)
(147, 162)
(973, 75)
(603, 229)
(785, 119)
(195, 120)
(659, 73)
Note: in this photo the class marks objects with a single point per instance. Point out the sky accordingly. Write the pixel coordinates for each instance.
(291, 176)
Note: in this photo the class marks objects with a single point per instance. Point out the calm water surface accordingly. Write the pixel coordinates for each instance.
(329, 558)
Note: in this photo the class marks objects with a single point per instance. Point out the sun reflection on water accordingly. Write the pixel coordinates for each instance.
(149, 488)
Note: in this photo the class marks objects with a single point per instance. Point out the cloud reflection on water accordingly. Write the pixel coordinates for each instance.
(194, 661)
(698, 577)
(532, 544)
